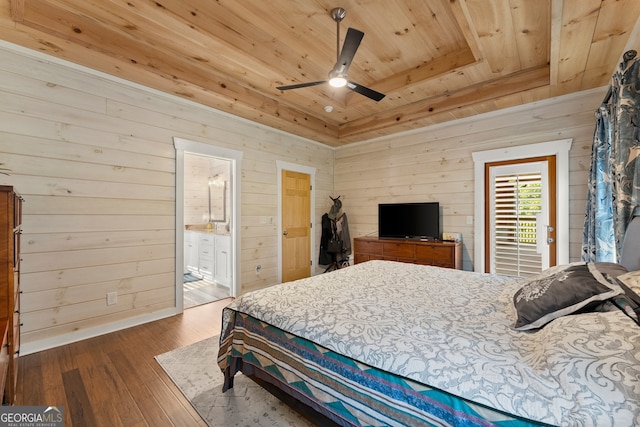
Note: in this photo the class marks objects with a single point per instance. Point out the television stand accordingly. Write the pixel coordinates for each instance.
(434, 252)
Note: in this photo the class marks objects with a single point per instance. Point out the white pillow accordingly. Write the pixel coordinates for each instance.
(632, 280)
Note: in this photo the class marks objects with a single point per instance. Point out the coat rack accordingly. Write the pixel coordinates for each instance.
(333, 244)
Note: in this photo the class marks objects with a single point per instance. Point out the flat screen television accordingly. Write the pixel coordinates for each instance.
(419, 221)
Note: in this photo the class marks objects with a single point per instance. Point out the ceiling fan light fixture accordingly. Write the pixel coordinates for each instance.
(338, 81)
(338, 75)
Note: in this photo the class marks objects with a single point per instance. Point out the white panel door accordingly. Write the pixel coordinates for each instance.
(519, 220)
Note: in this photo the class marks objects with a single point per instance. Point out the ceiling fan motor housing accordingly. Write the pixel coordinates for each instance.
(338, 14)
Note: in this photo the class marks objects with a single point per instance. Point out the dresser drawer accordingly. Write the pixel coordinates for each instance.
(16, 286)
(206, 265)
(360, 257)
(206, 240)
(16, 334)
(368, 247)
(437, 255)
(398, 250)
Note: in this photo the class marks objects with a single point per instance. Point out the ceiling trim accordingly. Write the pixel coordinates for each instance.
(479, 117)
(415, 113)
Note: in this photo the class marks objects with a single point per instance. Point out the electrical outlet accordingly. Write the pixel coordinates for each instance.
(258, 268)
(112, 298)
(469, 220)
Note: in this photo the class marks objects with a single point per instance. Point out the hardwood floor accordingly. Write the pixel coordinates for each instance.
(114, 380)
(201, 291)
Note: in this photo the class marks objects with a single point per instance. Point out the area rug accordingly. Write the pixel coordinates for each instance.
(196, 373)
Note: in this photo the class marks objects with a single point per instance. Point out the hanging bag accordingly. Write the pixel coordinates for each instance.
(334, 245)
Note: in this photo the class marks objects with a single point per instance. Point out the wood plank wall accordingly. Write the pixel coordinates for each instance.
(435, 164)
(94, 160)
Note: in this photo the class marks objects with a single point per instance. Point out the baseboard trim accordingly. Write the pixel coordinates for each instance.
(46, 344)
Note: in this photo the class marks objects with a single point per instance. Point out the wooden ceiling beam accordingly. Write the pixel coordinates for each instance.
(433, 69)
(517, 82)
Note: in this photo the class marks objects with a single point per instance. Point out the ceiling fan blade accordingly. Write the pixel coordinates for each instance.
(363, 90)
(349, 48)
(299, 85)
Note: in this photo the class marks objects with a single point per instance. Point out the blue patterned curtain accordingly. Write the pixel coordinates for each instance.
(614, 181)
(598, 242)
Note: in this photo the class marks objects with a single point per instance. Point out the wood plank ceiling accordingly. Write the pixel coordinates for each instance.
(436, 60)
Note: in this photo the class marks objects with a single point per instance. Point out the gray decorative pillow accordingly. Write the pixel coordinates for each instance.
(568, 290)
(610, 268)
(629, 302)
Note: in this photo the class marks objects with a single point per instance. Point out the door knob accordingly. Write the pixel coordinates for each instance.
(285, 232)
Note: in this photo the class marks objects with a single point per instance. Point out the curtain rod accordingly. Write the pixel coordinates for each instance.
(628, 56)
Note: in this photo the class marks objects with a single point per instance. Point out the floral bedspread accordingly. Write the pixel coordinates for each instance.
(452, 330)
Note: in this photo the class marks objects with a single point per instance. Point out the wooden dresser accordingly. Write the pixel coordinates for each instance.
(10, 222)
(440, 254)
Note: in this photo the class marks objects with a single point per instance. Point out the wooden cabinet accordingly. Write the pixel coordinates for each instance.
(222, 259)
(10, 223)
(208, 255)
(440, 254)
(206, 247)
(190, 252)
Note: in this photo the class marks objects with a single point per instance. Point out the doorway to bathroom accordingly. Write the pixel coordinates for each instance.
(207, 239)
(206, 223)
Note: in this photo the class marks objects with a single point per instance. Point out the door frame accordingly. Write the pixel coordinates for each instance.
(545, 165)
(183, 146)
(311, 171)
(559, 149)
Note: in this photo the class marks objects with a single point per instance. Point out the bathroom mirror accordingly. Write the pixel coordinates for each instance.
(217, 199)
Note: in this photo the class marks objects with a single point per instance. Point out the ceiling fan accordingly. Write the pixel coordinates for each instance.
(338, 75)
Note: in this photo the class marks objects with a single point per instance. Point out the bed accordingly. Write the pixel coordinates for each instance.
(386, 343)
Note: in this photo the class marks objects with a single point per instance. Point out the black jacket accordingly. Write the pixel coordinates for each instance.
(325, 257)
(340, 227)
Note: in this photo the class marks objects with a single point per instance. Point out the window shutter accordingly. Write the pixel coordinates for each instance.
(517, 207)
